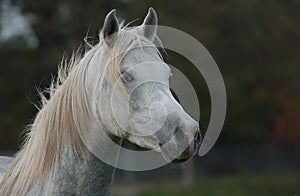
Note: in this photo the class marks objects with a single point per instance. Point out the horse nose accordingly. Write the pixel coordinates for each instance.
(192, 148)
(198, 140)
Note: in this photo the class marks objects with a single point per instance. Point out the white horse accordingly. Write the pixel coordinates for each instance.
(56, 160)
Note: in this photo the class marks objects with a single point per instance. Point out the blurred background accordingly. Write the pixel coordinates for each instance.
(256, 45)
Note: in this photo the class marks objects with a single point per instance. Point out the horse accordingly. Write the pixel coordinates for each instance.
(57, 159)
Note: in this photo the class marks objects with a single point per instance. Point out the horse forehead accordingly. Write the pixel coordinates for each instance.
(144, 59)
(141, 54)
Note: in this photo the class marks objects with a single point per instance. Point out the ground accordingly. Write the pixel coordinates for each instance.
(283, 183)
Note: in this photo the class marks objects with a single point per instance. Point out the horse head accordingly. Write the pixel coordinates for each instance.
(133, 95)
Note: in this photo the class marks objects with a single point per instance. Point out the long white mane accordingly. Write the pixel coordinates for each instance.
(58, 120)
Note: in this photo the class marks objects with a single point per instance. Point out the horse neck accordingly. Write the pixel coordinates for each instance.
(77, 171)
(83, 174)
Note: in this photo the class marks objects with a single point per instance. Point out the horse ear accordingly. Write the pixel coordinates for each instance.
(149, 26)
(110, 27)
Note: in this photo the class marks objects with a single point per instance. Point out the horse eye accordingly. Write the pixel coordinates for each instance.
(126, 77)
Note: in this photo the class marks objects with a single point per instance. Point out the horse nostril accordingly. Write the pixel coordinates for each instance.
(198, 138)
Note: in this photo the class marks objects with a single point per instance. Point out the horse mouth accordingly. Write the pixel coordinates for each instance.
(180, 160)
(190, 151)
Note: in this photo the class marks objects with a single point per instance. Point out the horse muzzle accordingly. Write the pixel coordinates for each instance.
(192, 148)
(182, 146)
